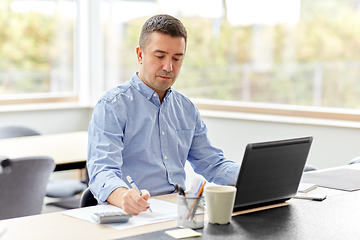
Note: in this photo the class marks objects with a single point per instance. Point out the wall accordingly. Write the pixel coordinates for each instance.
(335, 143)
(48, 119)
(332, 145)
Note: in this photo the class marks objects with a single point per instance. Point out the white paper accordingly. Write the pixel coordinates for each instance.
(306, 187)
(162, 211)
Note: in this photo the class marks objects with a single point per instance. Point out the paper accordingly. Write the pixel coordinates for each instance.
(2, 230)
(306, 187)
(162, 211)
(183, 233)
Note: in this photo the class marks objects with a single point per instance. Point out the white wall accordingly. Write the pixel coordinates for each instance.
(335, 142)
(49, 120)
(332, 146)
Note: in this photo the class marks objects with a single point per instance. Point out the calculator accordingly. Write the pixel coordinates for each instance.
(111, 217)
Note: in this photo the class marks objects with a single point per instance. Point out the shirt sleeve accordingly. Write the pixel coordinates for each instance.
(208, 160)
(105, 145)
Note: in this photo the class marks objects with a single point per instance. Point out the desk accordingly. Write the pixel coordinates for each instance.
(337, 216)
(69, 150)
(57, 226)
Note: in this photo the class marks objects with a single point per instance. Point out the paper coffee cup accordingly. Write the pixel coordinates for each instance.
(219, 202)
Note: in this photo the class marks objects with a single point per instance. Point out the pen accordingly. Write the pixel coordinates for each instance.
(134, 186)
(195, 204)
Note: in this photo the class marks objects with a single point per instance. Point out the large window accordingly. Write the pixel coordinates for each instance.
(293, 52)
(289, 52)
(36, 47)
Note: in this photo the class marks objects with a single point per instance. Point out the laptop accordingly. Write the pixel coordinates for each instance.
(270, 172)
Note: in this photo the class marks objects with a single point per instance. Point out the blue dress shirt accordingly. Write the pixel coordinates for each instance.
(132, 133)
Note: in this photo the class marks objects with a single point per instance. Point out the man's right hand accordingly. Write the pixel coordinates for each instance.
(129, 200)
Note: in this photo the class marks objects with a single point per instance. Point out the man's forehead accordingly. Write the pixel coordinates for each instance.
(160, 42)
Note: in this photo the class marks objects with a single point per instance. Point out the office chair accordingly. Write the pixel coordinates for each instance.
(309, 167)
(16, 131)
(65, 189)
(87, 199)
(23, 184)
(355, 160)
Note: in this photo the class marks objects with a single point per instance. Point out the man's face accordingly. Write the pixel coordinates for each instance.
(161, 61)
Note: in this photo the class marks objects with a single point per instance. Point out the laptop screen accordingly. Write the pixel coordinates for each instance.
(271, 172)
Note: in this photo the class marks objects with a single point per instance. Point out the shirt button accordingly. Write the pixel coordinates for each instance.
(154, 94)
(165, 157)
(148, 98)
(163, 133)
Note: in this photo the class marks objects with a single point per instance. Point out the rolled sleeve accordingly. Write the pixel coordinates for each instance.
(104, 151)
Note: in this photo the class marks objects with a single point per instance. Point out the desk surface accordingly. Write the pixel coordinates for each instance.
(69, 150)
(337, 217)
(59, 226)
(275, 221)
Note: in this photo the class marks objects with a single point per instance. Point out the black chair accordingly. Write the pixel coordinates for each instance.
(87, 199)
(65, 189)
(355, 160)
(23, 184)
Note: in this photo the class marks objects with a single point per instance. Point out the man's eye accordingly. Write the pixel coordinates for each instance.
(160, 56)
(176, 59)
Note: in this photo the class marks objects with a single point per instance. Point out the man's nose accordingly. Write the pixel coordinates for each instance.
(168, 65)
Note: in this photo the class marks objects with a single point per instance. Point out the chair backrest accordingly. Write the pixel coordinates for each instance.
(355, 160)
(309, 167)
(16, 131)
(87, 199)
(22, 190)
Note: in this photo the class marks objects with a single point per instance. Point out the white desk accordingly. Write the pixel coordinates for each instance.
(69, 150)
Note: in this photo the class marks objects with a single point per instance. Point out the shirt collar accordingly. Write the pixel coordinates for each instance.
(145, 90)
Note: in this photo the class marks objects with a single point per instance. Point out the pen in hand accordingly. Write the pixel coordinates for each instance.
(134, 186)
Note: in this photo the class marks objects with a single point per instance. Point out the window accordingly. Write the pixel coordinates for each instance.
(36, 47)
(292, 52)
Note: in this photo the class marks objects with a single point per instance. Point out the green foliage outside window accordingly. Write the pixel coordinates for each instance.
(315, 62)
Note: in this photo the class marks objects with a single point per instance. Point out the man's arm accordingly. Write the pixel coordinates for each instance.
(208, 160)
(129, 200)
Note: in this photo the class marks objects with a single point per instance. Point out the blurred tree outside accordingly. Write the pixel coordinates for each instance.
(315, 62)
(30, 51)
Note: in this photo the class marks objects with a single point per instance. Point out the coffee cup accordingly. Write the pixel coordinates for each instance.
(219, 202)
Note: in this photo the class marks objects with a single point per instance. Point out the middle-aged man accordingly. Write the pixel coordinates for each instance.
(147, 130)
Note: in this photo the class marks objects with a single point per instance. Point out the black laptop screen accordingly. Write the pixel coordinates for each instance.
(271, 172)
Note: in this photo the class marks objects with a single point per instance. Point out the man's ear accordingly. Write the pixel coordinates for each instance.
(139, 54)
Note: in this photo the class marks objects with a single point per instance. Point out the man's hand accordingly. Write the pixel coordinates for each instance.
(129, 200)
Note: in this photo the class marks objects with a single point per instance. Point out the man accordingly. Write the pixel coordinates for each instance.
(147, 130)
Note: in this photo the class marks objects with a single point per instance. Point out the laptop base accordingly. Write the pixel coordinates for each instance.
(241, 208)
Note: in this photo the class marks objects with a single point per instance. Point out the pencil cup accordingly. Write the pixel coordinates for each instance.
(190, 212)
(219, 202)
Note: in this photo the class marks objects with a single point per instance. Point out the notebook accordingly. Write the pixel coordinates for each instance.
(270, 172)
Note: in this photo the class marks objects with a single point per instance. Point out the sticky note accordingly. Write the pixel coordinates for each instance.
(183, 233)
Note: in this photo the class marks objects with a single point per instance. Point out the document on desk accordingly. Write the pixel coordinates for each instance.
(162, 211)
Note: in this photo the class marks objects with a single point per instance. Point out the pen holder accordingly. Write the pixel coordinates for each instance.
(190, 212)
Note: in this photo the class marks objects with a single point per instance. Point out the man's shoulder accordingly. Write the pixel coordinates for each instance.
(115, 92)
(181, 97)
